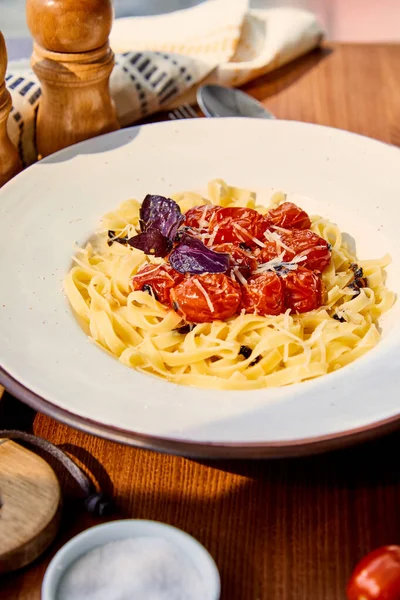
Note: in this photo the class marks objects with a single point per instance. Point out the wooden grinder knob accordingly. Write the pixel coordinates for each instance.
(9, 160)
(73, 60)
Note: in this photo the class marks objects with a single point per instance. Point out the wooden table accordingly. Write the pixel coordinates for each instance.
(279, 530)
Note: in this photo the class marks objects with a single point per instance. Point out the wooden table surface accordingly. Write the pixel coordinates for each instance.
(278, 530)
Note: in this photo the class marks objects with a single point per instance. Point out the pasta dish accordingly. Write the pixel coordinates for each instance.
(220, 292)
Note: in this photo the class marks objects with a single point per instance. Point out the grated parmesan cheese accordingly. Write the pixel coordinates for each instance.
(204, 237)
(203, 220)
(317, 333)
(238, 274)
(273, 236)
(286, 352)
(247, 234)
(298, 259)
(341, 314)
(213, 235)
(169, 276)
(281, 229)
(152, 271)
(286, 319)
(307, 353)
(289, 334)
(278, 263)
(206, 296)
(121, 233)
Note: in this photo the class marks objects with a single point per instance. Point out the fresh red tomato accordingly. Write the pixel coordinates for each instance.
(300, 243)
(157, 279)
(304, 290)
(289, 216)
(264, 294)
(245, 262)
(206, 298)
(377, 576)
(237, 225)
(199, 217)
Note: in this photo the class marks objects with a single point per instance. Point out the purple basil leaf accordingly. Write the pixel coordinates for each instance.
(161, 213)
(192, 256)
(151, 241)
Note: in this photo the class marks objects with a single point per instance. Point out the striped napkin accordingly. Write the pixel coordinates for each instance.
(160, 60)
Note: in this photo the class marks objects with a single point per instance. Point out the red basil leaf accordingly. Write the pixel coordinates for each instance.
(151, 241)
(161, 213)
(192, 256)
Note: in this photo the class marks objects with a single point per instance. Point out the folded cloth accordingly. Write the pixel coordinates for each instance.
(161, 60)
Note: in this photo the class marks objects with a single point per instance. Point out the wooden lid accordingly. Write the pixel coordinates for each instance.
(30, 500)
(69, 25)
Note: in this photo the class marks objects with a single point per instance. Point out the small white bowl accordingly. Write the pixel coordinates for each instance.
(130, 528)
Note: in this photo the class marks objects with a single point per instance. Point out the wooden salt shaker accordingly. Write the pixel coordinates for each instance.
(10, 164)
(73, 60)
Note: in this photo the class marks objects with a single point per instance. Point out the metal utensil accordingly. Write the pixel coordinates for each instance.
(219, 101)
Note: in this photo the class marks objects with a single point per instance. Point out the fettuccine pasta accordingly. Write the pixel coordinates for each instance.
(288, 348)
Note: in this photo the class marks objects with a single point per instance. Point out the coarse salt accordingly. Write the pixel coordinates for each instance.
(142, 568)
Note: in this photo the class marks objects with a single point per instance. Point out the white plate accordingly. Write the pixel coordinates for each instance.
(49, 363)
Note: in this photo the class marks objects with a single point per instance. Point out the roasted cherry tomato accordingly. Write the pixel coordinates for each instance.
(199, 217)
(269, 251)
(309, 244)
(237, 225)
(206, 298)
(289, 216)
(264, 294)
(377, 576)
(157, 279)
(304, 290)
(300, 243)
(245, 262)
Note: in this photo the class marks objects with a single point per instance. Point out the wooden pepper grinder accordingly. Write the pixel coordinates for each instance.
(73, 60)
(10, 164)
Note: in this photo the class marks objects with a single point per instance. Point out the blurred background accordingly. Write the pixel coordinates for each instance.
(344, 20)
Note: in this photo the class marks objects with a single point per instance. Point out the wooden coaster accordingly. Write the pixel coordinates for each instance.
(30, 500)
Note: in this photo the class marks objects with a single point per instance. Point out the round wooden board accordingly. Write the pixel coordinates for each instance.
(30, 500)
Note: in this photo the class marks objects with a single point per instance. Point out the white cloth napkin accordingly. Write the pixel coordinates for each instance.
(161, 60)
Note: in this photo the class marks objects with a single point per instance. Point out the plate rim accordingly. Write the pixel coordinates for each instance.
(205, 450)
(195, 449)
